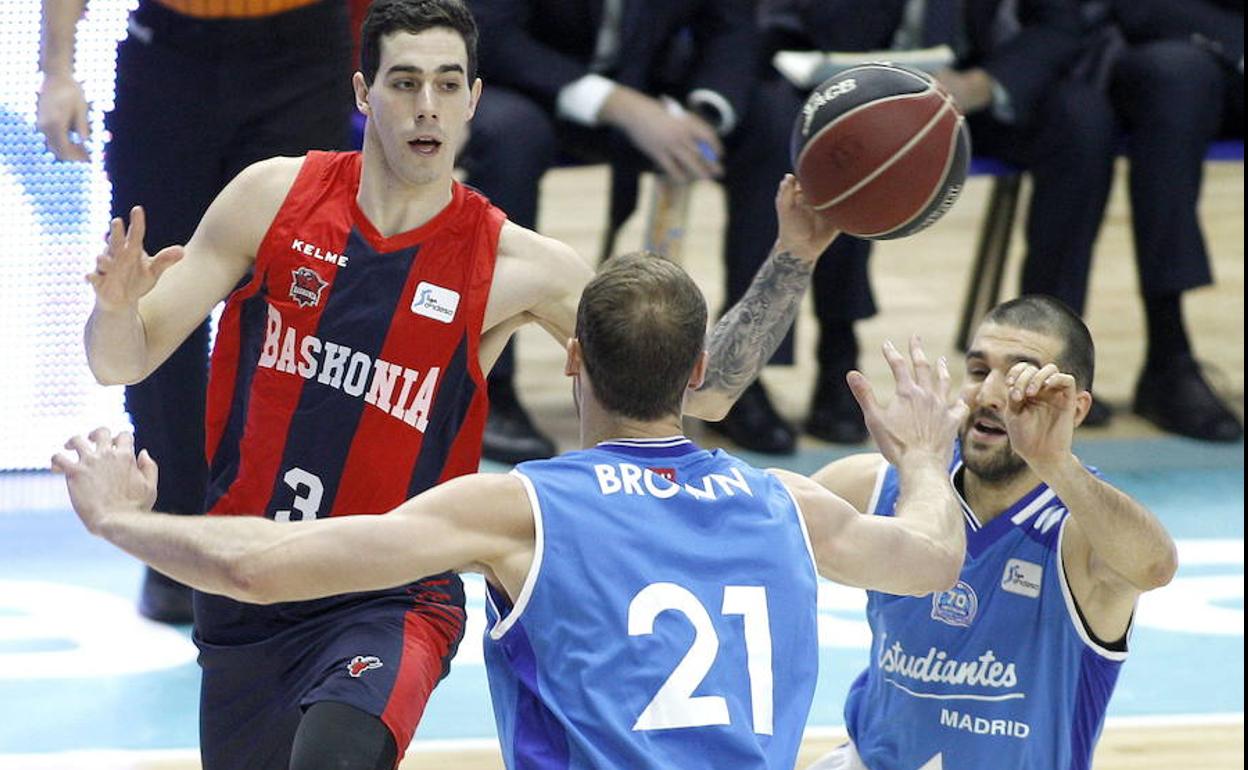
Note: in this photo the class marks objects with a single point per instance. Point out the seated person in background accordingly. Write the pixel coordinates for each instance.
(669, 85)
(1175, 79)
(1010, 75)
(705, 536)
(1032, 637)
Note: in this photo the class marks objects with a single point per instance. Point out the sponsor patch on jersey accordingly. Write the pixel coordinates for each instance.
(955, 607)
(361, 663)
(666, 473)
(1022, 578)
(435, 302)
(306, 286)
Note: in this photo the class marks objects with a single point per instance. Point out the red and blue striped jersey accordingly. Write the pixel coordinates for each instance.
(345, 376)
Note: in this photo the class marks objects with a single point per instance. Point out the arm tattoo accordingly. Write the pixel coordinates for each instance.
(744, 339)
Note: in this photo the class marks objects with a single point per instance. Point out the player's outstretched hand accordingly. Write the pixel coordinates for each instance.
(106, 476)
(921, 420)
(125, 272)
(804, 231)
(1040, 413)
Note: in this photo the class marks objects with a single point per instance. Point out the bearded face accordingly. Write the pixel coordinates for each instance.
(986, 450)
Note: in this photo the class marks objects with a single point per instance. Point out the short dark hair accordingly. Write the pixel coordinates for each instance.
(641, 323)
(1049, 315)
(414, 16)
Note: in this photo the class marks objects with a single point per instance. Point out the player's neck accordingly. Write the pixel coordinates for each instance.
(605, 427)
(394, 205)
(989, 499)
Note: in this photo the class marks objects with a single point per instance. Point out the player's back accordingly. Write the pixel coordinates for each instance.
(668, 620)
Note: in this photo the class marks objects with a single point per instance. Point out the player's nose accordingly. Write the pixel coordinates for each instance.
(992, 392)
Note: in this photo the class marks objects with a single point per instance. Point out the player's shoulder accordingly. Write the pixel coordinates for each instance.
(524, 245)
(263, 185)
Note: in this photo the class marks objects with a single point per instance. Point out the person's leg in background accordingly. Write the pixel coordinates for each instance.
(513, 143)
(1170, 95)
(160, 101)
(1068, 149)
(842, 293)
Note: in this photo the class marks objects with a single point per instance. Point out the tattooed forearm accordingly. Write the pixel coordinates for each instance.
(744, 339)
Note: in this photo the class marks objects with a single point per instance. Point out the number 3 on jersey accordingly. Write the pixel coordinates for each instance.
(308, 491)
(675, 705)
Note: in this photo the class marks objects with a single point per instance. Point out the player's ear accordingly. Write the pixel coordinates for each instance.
(361, 92)
(698, 375)
(474, 96)
(572, 365)
(1083, 403)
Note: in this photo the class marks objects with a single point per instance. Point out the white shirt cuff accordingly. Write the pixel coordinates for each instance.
(721, 106)
(581, 100)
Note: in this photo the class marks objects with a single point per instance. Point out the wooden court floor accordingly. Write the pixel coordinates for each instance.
(1129, 748)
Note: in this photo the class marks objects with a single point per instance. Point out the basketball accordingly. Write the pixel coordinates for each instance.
(882, 150)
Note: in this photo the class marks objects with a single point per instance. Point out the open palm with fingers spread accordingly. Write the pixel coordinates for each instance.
(106, 476)
(125, 272)
(920, 419)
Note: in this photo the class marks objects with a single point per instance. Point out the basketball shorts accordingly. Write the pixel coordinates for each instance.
(382, 655)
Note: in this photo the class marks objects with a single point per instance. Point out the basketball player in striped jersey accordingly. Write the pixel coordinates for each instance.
(368, 293)
(621, 578)
(1014, 666)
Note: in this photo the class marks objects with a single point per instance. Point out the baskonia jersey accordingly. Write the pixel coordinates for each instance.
(345, 376)
(997, 672)
(668, 620)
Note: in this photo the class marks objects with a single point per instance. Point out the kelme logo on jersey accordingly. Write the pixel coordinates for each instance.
(957, 606)
(361, 663)
(435, 302)
(306, 287)
(1022, 578)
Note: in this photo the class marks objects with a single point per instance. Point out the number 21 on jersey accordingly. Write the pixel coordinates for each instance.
(675, 705)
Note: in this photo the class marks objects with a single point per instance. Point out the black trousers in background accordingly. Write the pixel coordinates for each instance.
(515, 140)
(196, 102)
(1068, 149)
(1171, 99)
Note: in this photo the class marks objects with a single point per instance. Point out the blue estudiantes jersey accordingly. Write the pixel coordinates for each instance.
(668, 620)
(999, 672)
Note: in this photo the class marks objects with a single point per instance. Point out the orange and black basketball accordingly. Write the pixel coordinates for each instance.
(882, 150)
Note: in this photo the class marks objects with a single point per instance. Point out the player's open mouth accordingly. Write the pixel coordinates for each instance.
(425, 145)
(987, 430)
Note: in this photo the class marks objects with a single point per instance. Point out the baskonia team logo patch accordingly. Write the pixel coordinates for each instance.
(957, 606)
(306, 287)
(361, 663)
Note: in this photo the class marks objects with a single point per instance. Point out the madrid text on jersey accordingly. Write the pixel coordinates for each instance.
(352, 372)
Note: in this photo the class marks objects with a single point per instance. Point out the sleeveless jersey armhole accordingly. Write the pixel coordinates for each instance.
(506, 621)
(1111, 650)
(881, 473)
(801, 522)
(311, 175)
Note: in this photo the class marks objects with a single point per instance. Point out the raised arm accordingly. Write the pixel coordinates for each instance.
(743, 340)
(920, 548)
(471, 523)
(1113, 548)
(145, 306)
(62, 111)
